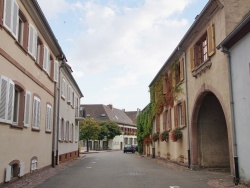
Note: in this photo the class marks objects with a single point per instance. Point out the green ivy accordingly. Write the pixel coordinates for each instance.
(144, 125)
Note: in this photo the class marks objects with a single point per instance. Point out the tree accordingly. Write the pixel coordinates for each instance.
(89, 130)
(102, 133)
(113, 129)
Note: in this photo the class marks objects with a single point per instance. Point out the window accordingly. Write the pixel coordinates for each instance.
(7, 91)
(32, 43)
(69, 94)
(167, 120)
(11, 19)
(76, 133)
(203, 49)
(39, 52)
(66, 135)
(63, 88)
(48, 117)
(180, 114)
(56, 71)
(76, 107)
(61, 130)
(46, 59)
(16, 106)
(36, 113)
(33, 164)
(23, 31)
(27, 109)
(73, 100)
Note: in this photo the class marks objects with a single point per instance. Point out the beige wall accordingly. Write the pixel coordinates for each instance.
(22, 143)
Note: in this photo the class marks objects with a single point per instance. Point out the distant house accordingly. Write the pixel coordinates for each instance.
(105, 113)
(236, 46)
(132, 115)
(68, 99)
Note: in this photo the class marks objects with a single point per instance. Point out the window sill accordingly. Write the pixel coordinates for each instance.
(21, 47)
(48, 132)
(62, 97)
(202, 68)
(16, 127)
(35, 129)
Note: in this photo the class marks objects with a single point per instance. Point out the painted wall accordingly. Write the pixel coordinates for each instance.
(240, 63)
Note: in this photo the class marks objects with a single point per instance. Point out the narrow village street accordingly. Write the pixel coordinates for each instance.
(118, 169)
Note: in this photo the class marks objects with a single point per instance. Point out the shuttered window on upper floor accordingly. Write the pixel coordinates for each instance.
(203, 49)
(11, 18)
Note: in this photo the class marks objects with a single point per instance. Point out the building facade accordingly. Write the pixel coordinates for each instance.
(107, 113)
(199, 79)
(28, 58)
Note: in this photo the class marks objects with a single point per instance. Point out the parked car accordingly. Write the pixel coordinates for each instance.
(128, 148)
(135, 147)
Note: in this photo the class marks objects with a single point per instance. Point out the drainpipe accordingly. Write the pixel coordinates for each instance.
(187, 112)
(236, 165)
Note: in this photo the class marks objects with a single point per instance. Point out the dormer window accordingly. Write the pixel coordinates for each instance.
(103, 115)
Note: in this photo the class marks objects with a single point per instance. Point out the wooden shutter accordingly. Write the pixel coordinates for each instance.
(56, 71)
(211, 40)
(8, 173)
(34, 113)
(45, 58)
(59, 129)
(1, 12)
(192, 58)
(34, 52)
(15, 23)
(173, 77)
(3, 97)
(22, 168)
(38, 113)
(183, 113)
(176, 116)
(8, 14)
(31, 38)
(10, 107)
(27, 109)
(169, 119)
(164, 120)
(181, 69)
(48, 117)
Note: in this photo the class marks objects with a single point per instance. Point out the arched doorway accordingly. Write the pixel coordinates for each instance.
(209, 134)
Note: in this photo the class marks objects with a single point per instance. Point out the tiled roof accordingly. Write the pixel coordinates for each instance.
(132, 115)
(102, 112)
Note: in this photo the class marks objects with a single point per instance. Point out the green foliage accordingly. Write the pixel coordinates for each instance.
(155, 137)
(113, 129)
(103, 132)
(164, 136)
(144, 125)
(89, 129)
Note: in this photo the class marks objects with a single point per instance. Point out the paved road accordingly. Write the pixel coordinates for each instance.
(116, 169)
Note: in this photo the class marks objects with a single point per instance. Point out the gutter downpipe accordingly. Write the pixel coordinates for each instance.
(187, 112)
(236, 164)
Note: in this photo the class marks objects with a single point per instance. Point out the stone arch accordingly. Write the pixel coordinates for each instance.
(204, 97)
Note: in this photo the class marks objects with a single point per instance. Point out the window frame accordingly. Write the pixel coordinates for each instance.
(36, 115)
(48, 122)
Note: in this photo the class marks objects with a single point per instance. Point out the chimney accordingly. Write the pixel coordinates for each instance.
(110, 106)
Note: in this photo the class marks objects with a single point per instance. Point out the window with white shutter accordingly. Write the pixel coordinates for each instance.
(36, 113)
(56, 71)
(27, 109)
(11, 18)
(32, 43)
(48, 117)
(46, 60)
(7, 88)
(69, 94)
(63, 88)
(76, 133)
(59, 129)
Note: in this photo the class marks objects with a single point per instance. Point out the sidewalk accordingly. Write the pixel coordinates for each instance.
(33, 179)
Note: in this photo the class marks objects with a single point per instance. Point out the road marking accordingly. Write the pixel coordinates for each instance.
(137, 173)
(88, 167)
(92, 162)
(174, 186)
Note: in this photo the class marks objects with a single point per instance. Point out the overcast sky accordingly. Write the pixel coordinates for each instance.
(116, 47)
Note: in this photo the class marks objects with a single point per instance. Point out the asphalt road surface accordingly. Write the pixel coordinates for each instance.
(126, 170)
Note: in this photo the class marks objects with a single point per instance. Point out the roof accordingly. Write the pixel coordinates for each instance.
(102, 113)
(238, 33)
(132, 115)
